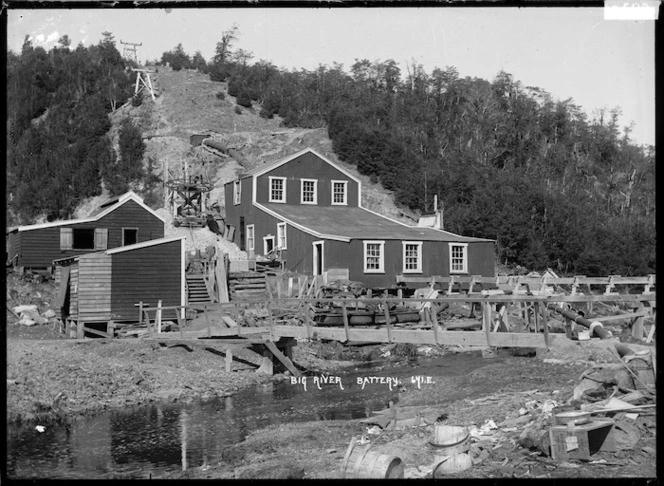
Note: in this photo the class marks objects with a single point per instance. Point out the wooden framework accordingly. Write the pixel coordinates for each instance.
(143, 81)
(129, 51)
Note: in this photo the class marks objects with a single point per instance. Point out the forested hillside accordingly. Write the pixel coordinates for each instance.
(553, 186)
(59, 152)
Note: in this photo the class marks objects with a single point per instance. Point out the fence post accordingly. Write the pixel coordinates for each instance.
(158, 316)
(486, 321)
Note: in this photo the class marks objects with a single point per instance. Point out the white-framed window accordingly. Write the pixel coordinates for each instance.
(340, 193)
(374, 256)
(458, 257)
(277, 189)
(250, 239)
(237, 192)
(281, 236)
(412, 257)
(308, 191)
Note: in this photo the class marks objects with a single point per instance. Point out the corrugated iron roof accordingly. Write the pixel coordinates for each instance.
(359, 223)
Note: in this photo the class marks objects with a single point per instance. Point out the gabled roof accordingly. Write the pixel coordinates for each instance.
(348, 223)
(120, 249)
(105, 208)
(268, 166)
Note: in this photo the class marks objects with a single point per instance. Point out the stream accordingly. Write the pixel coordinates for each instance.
(150, 441)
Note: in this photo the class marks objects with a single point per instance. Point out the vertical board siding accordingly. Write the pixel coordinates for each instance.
(73, 291)
(94, 287)
(39, 247)
(145, 275)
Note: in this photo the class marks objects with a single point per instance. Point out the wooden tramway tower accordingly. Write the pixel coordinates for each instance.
(130, 52)
(188, 198)
(143, 81)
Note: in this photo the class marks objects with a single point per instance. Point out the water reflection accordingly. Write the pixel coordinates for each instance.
(163, 438)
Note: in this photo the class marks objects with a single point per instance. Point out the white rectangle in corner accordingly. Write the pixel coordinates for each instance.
(631, 10)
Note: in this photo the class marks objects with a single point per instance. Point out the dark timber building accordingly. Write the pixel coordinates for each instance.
(309, 210)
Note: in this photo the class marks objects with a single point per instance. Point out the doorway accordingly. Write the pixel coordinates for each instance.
(318, 253)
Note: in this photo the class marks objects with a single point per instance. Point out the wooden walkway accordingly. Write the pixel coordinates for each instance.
(224, 320)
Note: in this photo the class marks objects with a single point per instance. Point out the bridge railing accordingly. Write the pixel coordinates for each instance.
(294, 318)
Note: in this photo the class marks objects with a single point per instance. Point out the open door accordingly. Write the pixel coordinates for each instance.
(318, 262)
(62, 299)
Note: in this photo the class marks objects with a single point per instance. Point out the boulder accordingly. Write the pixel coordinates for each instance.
(49, 313)
(27, 322)
(20, 309)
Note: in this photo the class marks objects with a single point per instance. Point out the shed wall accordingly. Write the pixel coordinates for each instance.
(145, 275)
(39, 247)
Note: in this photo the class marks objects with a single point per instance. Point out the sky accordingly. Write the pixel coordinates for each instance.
(568, 52)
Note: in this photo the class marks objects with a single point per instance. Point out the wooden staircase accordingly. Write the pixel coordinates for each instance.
(197, 291)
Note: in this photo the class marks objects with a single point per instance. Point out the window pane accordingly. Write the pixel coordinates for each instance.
(373, 256)
(309, 191)
(411, 257)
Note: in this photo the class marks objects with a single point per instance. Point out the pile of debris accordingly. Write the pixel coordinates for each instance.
(29, 315)
(608, 420)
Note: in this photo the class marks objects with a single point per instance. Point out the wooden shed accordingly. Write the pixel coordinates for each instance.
(122, 220)
(108, 285)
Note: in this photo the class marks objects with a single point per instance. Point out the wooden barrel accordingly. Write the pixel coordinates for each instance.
(446, 437)
(452, 464)
(362, 463)
(642, 367)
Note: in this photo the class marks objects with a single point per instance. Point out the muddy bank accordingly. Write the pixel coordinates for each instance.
(499, 391)
(47, 380)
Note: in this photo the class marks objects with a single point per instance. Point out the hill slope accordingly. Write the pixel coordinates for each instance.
(187, 104)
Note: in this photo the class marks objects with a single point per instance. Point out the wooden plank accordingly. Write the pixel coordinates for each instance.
(228, 320)
(434, 323)
(96, 332)
(284, 359)
(462, 338)
(618, 318)
(386, 310)
(486, 321)
(651, 334)
(545, 324)
(229, 360)
(345, 317)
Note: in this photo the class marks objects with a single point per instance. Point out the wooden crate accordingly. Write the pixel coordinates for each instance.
(581, 441)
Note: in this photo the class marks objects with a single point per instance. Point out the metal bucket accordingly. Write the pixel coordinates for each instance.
(362, 463)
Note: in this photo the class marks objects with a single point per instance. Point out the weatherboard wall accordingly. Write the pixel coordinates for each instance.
(146, 275)
(39, 247)
(307, 166)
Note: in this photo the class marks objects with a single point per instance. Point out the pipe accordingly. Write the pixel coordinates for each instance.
(596, 328)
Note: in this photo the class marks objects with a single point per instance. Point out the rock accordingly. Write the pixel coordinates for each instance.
(49, 314)
(19, 309)
(27, 322)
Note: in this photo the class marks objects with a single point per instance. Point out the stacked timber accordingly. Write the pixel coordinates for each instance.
(246, 285)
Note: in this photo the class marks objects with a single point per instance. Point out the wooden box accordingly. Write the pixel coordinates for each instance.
(581, 441)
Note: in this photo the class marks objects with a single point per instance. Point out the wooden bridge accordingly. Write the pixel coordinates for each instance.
(276, 322)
